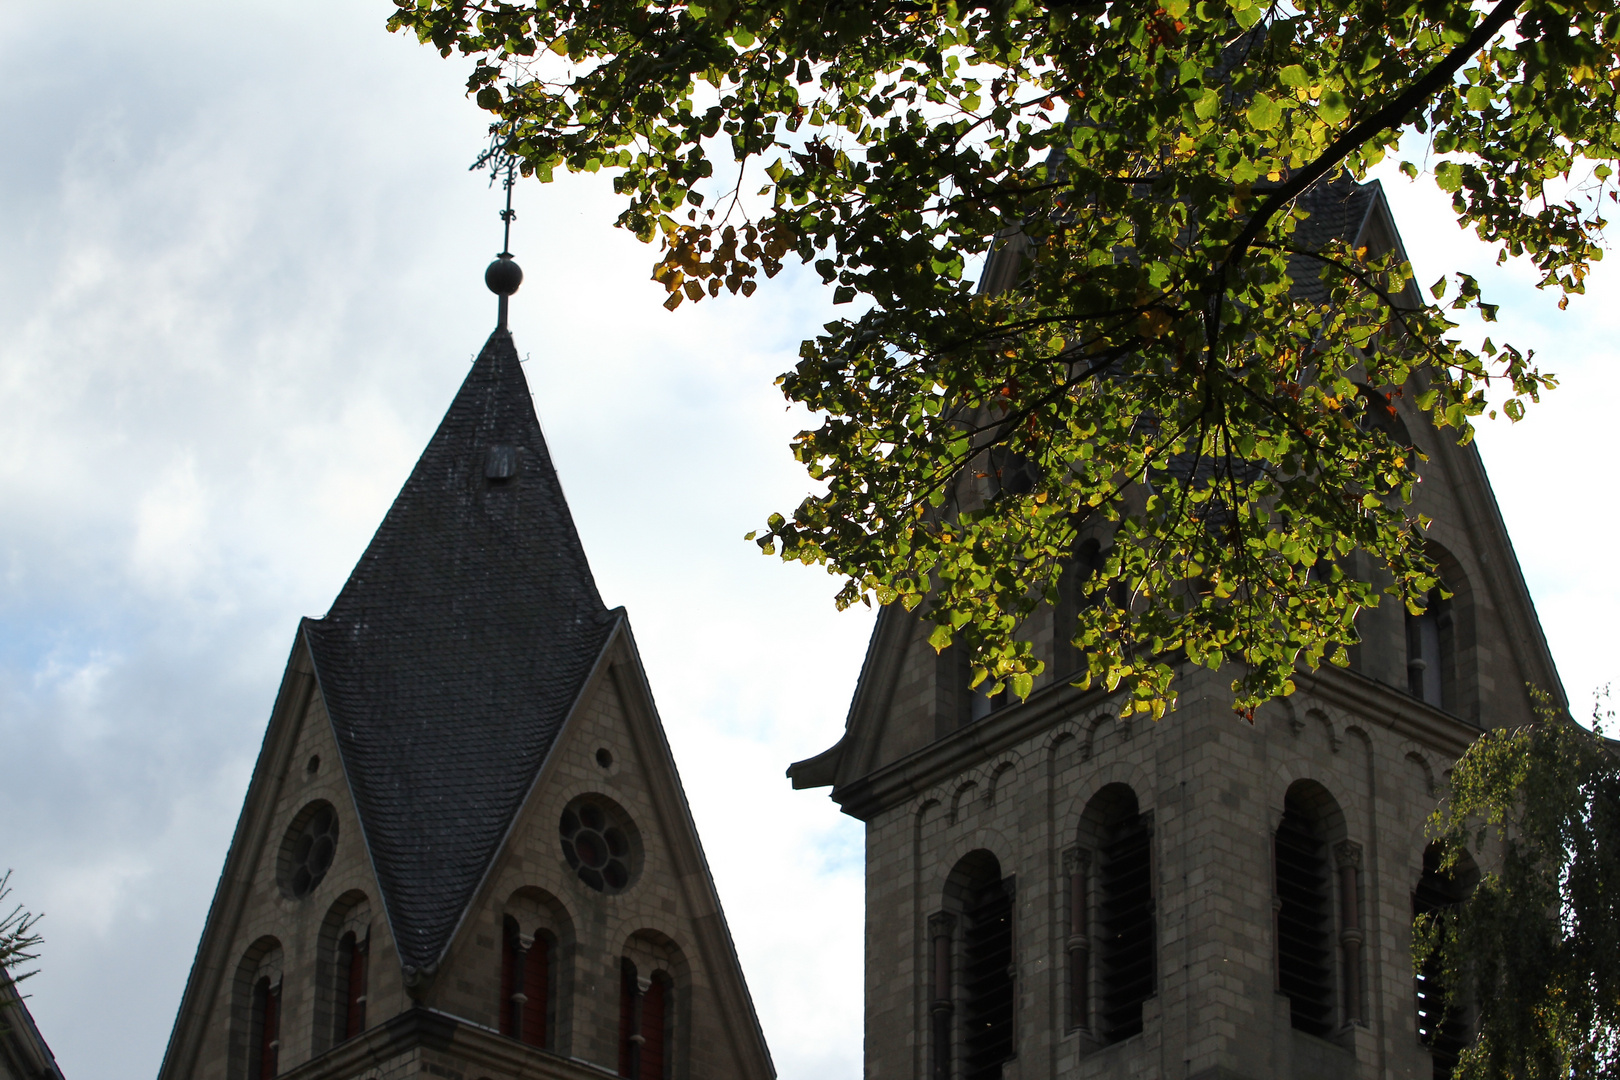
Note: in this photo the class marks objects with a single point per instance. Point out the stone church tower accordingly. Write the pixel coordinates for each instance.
(465, 851)
(1055, 892)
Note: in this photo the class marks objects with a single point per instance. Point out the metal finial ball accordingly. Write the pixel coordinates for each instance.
(503, 276)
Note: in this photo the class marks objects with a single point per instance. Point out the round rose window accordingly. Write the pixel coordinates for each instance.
(598, 842)
(306, 853)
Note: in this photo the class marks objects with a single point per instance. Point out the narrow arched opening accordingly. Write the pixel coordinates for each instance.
(342, 970)
(650, 1025)
(1303, 882)
(1112, 923)
(972, 973)
(526, 961)
(536, 948)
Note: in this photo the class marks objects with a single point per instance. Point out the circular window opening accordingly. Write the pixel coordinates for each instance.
(314, 765)
(599, 842)
(307, 850)
(604, 758)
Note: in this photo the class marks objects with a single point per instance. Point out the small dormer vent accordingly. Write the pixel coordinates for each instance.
(501, 462)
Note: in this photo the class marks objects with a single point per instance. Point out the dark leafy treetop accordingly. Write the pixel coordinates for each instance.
(1179, 365)
(1531, 950)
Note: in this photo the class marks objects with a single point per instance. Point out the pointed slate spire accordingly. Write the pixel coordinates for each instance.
(452, 656)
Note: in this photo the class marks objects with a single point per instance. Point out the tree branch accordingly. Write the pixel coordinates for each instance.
(1386, 117)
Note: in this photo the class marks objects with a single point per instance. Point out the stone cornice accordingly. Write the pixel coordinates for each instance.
(429, 1029)
(912, 775)
(1379, 703)
(918, 771)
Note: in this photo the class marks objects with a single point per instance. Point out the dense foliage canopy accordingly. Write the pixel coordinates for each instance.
(1532, 951)
(1181, 364)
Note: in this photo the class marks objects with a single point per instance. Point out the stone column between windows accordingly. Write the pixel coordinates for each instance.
(362, 950)
(1077, 866)
(638, 1003)
(520, 954)
(941, 1004)
(1347, 854)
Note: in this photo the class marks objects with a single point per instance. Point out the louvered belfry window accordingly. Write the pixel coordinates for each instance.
(1445, 1031)
(1304, 920)
(1125, 919)
(1111, 940)
(987, 983)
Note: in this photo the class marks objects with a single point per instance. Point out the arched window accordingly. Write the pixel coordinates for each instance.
(1304, 913)
(972, 991)
(646, 1029)
(255, 1027)
(1429, 649)
(536, 958)
(342, 969)
(1444, 1029)
(354, 952)
(1111, 932)
(525, 984)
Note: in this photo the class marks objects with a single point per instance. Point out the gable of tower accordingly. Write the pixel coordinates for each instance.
(297, 914)
(619, 910)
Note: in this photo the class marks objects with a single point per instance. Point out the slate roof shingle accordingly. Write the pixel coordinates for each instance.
(451, 658)
(1337, 209)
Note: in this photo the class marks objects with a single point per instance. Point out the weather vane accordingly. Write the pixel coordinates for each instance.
(503, 276)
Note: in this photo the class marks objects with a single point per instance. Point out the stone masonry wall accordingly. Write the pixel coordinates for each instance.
(1215, 787)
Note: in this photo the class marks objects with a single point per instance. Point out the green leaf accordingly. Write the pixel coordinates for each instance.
(1334, 108)
(1264, 113)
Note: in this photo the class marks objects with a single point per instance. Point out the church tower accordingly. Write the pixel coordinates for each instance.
(465, 851)
(1053, 891)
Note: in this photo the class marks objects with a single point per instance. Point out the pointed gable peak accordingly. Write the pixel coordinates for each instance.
(453, 655)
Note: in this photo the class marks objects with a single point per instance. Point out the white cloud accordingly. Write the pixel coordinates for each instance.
(171, 520)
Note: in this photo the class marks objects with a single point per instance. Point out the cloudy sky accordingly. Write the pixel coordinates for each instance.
(240, 279)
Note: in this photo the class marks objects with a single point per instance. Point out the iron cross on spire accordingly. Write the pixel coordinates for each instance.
(503, 276)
